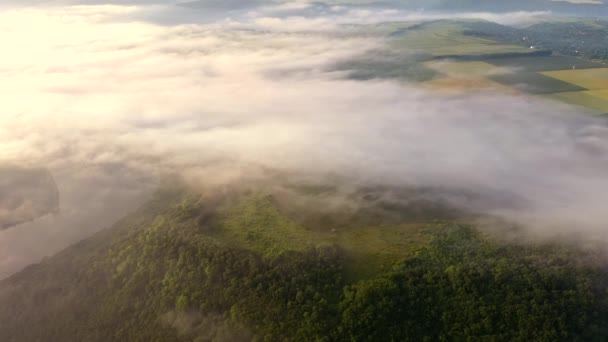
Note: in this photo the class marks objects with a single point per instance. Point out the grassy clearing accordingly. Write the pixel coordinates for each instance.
(592, 79)
(374, 249)
(254, 222)
(445, 38)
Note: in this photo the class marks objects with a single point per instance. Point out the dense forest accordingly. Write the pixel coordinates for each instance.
(587, 39)
(162, 274)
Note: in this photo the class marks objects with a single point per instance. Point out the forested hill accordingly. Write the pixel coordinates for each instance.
(245, 266)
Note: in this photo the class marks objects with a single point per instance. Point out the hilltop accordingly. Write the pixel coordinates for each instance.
(253, 263)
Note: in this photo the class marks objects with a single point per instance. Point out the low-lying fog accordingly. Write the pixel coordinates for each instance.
(109, 97)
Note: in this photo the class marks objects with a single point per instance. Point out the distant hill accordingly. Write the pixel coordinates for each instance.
(572, 8)
(25, 195)
(282, 265)
(577, 38)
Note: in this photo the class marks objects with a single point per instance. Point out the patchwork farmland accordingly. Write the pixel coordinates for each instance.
(466, 63)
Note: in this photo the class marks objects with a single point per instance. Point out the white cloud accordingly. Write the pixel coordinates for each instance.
(592, 2)
(341, 16)
(103, 102)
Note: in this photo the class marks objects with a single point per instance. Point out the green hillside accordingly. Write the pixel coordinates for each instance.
(261, 265)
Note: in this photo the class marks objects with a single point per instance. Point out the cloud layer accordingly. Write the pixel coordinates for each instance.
(107, 101)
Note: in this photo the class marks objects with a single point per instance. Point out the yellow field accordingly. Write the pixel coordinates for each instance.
(595, 100)
(446, 38)
(462, 76)
(465, 69)
(592, 79)
(464, 85)
(467, 76)
(603, 93)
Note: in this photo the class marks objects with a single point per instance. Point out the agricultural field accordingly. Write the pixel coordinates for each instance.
(535, 83)
(466, 69)
(465, 76)
(539, 63)
(467, 84)
(592, 79)
(594, 100)
(445, 37)
(603, 93)
(457, 62)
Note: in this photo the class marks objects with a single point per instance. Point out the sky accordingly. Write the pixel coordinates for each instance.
(109, 97)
